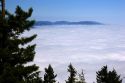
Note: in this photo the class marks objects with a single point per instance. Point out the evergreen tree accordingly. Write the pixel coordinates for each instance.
(114, 77)
(81, 78)
(105, 76)
(72, 77)
(102, 75)
(49, 76)
(14, 53)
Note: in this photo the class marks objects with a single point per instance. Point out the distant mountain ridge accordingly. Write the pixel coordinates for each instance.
(42, 23)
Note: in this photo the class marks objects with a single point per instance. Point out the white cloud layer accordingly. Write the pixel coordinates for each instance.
(87, 47)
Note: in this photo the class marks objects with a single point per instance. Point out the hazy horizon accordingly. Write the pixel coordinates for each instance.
(105, 11)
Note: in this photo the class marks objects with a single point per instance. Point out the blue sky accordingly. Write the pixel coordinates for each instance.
(109, 11)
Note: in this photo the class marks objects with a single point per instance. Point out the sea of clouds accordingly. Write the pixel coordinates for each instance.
(86, 47)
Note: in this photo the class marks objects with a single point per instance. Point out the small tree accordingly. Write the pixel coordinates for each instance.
(81, 78)
(49, 76)
(105, 76)
(102, 75)
(114, 77)
(72, 77)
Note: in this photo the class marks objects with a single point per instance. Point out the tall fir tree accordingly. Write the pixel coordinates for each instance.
(105, 76)
(72, 77)
(49, 76)
(14, 53)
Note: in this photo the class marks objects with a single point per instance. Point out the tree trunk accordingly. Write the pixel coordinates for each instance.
(3, 8)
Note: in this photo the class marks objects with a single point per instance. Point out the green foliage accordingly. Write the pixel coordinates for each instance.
(13, 54)
(72, 77)
(49, 76)
(105, 76)
(102, 75)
